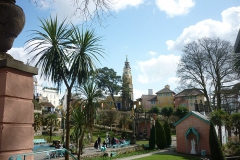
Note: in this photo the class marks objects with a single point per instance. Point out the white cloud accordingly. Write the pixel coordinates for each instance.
(68, 9)
(175, 7)
(158, 69)
(123, 4)
(151, 53)
(138, 93)
(227, 29)
(21, 55)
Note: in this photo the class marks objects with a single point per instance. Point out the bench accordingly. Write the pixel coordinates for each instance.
(103, 149)
(125, 143)
(54, 154)
(115, 145)
(113, 154)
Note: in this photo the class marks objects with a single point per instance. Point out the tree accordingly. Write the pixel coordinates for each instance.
(236, 122)
(125, 118)
(84, 111)
(154, 109)
(79, 127)
(167, 111)
(90, 93)
(160, 135)
(126, 94)
(110, 117)
(215, 146)
(192, 67)
(65, 56)
(167, 133)
(207, 61)
(152, 138)
(181, 111)
(50, 121)
(88, 10)
(108, 81)
(37, 121)
(217, 118)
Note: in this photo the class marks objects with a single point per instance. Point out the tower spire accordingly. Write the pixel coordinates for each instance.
(126, 59)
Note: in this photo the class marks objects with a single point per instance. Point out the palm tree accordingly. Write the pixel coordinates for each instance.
(91, 93)
(83, 113)
(37, 121)
(79, 127)
(65, 56)
(50, 121)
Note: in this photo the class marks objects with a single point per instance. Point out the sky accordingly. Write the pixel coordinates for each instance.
(151, 33)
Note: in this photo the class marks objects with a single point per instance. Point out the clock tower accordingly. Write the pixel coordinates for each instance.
(127, 94)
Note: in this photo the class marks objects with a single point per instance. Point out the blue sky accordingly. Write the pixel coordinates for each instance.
(151, 33)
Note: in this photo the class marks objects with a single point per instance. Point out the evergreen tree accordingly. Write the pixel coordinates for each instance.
(168, 133)
(215, 147)
(152, 138)
(160, 135)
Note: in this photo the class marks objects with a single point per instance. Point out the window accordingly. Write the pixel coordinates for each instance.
(159, 102)
(152, 102)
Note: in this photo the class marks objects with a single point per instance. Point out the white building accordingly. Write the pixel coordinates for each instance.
(46, 94)
(52, 95)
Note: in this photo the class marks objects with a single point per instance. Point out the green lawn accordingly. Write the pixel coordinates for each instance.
(169, 157)
(48, 137)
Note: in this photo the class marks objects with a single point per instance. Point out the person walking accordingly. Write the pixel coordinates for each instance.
(109, 141)
(99, 141)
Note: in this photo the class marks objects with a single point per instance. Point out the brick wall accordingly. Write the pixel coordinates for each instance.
(184, 145)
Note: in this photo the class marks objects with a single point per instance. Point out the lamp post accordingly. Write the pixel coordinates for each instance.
(133, 120)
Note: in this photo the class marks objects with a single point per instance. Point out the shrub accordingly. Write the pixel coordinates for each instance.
(168, 133)
(160, 135)
(181, 112)
(152, 138)
(215, 147)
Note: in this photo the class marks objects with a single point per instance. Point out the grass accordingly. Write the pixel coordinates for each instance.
(48, 137)
(124, 155)
(169, 157)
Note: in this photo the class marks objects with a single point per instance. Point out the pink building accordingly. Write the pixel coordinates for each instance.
(193, 126)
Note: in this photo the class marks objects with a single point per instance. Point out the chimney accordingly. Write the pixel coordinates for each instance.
(150, 91)
(167, 86)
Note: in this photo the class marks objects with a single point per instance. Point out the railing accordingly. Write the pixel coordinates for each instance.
(48, 154)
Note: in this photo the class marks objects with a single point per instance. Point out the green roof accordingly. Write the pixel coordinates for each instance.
(196, 114)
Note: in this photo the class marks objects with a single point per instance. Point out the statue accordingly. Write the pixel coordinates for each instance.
(193, 150)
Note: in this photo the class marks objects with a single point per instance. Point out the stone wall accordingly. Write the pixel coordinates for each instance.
(121, 150)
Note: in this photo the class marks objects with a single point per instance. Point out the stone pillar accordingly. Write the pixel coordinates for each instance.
(16, 108)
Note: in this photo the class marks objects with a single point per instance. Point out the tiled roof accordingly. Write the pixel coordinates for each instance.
(47, 104)
(197, 114)
(165, 90)
(153, 99)
(189, 92)
(148, 97)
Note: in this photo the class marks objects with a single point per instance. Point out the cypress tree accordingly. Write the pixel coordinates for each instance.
(160, 135)
(214, 143)
(152, 138)
(168, 133)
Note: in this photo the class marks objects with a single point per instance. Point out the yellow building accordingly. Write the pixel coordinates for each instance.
(188, 98)
(109, 104)
(165, 97)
